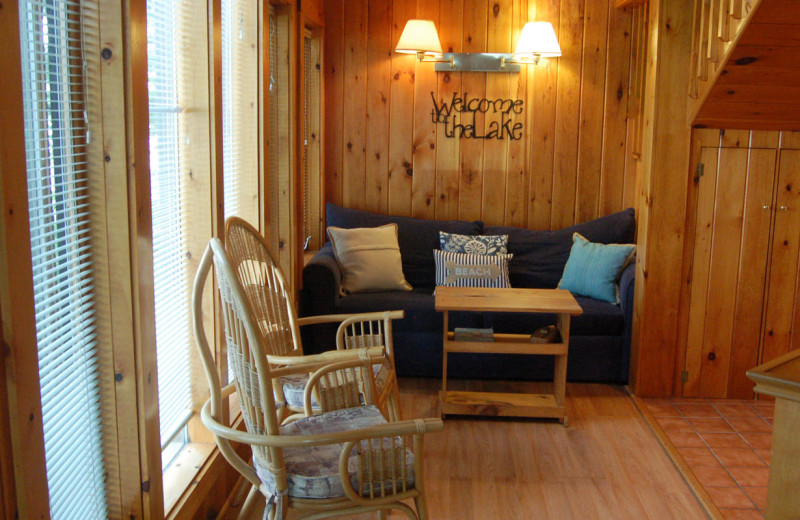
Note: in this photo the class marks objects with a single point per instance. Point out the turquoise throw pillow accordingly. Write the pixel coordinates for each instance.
(593, 269)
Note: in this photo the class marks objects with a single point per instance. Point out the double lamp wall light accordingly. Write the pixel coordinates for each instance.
(538, 39)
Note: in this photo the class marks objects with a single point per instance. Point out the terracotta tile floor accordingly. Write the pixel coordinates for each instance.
(726, 443)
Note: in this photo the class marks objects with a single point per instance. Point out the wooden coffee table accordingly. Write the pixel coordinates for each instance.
(475, 299)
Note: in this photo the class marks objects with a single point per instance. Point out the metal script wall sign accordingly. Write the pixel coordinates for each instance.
(458, 117)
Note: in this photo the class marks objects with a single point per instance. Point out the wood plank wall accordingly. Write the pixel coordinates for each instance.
(383, 153)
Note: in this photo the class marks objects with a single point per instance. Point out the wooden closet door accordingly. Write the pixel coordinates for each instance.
(728, 267)
(780, 336)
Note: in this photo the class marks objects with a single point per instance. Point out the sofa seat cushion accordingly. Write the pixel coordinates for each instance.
(313, 471)
(417, 238)
(420, 311)
(540, 256)
(598, 319)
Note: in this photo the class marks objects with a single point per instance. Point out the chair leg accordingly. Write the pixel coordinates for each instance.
(422, 508)
(382, 514)
(249, 502)
(394, 400)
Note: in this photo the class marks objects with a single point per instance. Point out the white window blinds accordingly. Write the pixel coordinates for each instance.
(170, 262)
(61, 253)
(240, 132)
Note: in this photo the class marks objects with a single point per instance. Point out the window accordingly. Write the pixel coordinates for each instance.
(56, 136)
(169, 227)
(181, 202)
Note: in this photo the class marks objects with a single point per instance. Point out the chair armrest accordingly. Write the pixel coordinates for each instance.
(408, 427)
(312, 362)
(362, 316)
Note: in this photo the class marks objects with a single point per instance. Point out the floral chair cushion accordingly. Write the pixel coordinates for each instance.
(313, 471)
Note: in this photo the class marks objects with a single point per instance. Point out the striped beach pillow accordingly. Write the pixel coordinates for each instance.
(471, 270)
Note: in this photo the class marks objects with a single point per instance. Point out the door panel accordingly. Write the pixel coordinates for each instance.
(783, 277)
(729, 267)
(752, 272)
(724, 272)
(701, 260)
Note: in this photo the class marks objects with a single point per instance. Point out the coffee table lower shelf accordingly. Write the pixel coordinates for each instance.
(495, 404)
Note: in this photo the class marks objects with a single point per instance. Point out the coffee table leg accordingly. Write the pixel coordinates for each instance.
(443, 397)
(560, 379)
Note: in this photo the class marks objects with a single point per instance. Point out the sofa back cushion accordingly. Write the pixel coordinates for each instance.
(540, 256)
(417, 238)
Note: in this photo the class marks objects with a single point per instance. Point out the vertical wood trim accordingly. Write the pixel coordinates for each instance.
(701, 138)
(265, 185)
(612, 169)
(334, 109)
(666, 145)
(785, 250)
(543, 128)
(141, 246)
(401, 118)
(8, 499)
(314, 146)
(495, 151)
(378, 94)
(449, 83)
(473, 84)
(92, 33)
(423, 181)
(117, 254)
(16, 285)
(701, 262)
(747, 333)
(354, 174)
(592, 113)
(517, 172)
(565, 161)
(723, 272)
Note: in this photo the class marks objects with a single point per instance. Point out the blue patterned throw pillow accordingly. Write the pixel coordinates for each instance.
(466, 270)
(593, 269)
(474, 244)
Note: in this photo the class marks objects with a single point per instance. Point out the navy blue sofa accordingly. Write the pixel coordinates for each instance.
(599, 348)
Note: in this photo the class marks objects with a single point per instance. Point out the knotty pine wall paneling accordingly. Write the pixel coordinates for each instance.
(384, 152)
(470, 191)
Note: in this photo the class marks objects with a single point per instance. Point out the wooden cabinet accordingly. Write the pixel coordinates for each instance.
(739, 302)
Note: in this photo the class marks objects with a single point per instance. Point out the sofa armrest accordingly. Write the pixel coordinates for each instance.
(626, 286)
(322, 280)
(626, 280)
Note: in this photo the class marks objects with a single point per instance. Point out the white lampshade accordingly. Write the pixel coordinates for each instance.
(538, 38)
(419, 36)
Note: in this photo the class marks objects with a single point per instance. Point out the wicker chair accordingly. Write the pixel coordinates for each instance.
(345, 460)
(274, 311)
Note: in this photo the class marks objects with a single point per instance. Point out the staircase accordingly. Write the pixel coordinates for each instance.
(718, 26)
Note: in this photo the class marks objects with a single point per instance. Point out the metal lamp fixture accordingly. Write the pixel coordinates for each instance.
(537, 40)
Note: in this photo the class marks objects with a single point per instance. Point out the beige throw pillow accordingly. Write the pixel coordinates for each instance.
(369, 259)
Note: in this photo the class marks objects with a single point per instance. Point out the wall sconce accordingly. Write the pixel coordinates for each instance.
(537, 40)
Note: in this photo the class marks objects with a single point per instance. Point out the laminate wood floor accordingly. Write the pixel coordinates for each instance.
(606, 465)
